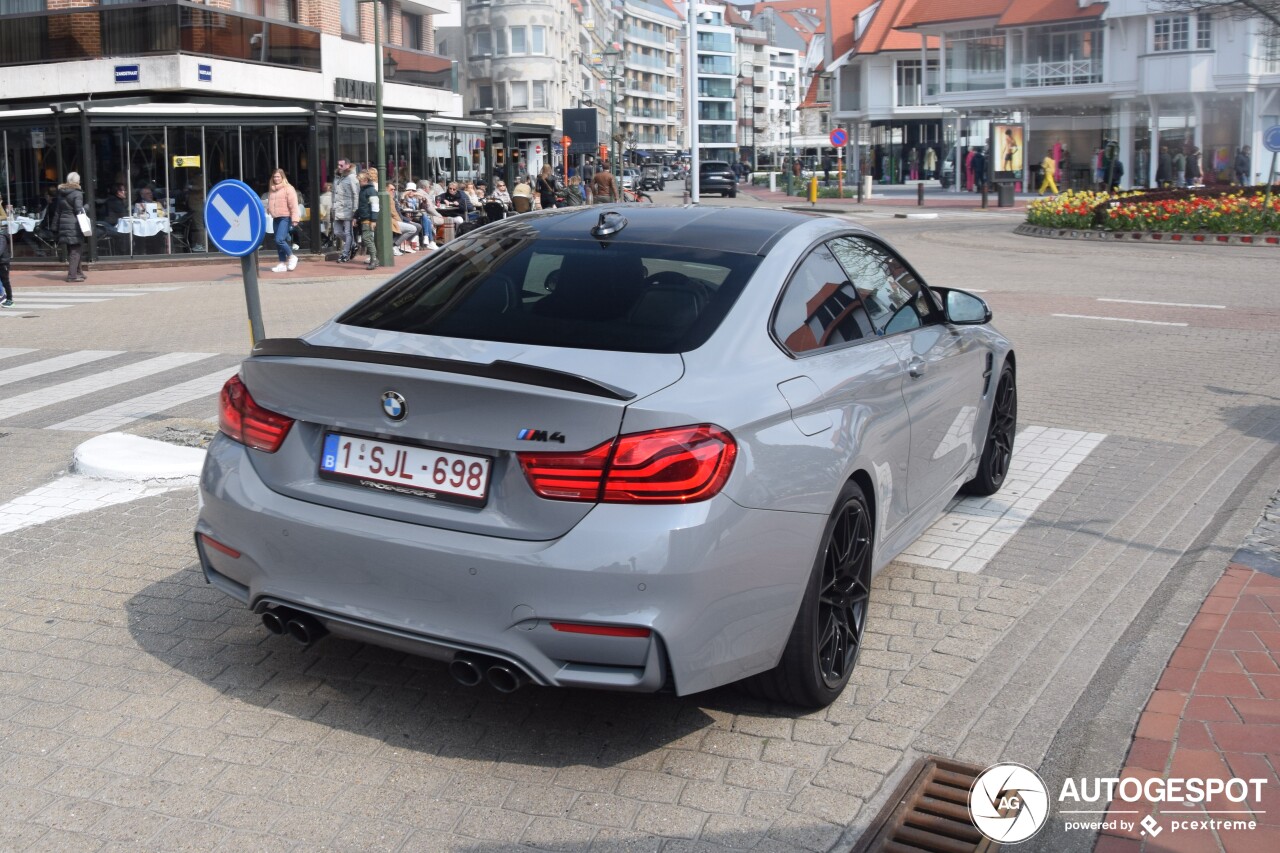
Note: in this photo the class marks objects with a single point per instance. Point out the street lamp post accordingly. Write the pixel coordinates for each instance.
(612, 55)
(748, 70)
(791, 150)
(382, 233)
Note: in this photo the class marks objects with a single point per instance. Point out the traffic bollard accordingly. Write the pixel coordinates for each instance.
(920, 194)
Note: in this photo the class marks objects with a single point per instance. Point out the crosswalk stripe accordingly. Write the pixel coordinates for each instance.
(119, 414)
(95, 296)
(51, 365)
(55, 394)
(44, 306)
(9, 352)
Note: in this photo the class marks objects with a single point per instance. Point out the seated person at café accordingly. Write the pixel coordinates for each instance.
(454, 204)
(117, 205)
(403, 230)
(146, 202)
(423, 209)
(500, 192)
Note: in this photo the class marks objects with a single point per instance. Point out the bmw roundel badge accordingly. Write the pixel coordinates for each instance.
(393, 404)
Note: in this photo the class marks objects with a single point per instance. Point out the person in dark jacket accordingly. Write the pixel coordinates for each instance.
(980, 170)
(117, 205)
(367, 216)
(6, 290)
(70, 201)
(1244, 158)
(1164, 167)
(546, 188)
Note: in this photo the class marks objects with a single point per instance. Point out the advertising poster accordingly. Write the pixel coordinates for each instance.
(1007, 150)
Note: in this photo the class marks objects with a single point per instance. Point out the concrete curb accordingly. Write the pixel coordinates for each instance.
(1184, 238)
(119, 456)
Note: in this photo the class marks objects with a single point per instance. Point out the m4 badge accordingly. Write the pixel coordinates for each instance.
(540, 435)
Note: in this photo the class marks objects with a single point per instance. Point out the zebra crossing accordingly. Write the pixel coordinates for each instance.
(103, 390)
(27, 302)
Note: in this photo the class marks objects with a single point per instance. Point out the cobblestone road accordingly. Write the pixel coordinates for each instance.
(142, 710)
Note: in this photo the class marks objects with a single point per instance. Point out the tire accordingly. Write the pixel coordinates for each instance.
(733, 193)
(827, 635)
(997, 449)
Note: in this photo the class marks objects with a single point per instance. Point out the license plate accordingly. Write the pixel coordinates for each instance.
(405, 468)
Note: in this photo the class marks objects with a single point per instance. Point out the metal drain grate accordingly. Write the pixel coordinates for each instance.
(928, 813)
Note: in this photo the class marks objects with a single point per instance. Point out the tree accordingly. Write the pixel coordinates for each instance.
(1268, 10)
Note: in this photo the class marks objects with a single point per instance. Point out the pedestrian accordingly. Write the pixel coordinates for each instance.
(1180, 167)
(1195, 169)
(546, 188)
(574, 195)
(1242, 166)
(968, 168)
(603, 190)
(367, 216)
(1164, 167)
(1048, 166)
(6, 289)
(68, 205)
(282, 207)
(346, 194)
(980, 170)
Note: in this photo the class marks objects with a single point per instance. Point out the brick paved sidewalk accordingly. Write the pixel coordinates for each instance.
(897, 196)
(1215, 714)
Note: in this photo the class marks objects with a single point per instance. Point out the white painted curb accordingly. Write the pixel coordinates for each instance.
(915, 216)
(119, 456)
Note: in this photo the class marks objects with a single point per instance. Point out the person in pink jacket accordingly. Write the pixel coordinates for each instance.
(282, 208)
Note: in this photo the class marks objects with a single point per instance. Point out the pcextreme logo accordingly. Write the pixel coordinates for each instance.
(1010, 803)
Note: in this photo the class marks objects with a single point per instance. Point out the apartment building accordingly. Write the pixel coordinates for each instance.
(171, 96)
(652, 107)
(1078, 76)
(716, 97)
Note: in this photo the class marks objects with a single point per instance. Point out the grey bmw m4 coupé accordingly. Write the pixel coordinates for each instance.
(621, 448)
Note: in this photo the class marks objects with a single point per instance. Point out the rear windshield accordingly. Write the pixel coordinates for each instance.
(512, 286)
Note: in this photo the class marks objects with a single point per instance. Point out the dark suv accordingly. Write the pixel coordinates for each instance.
(715, 176)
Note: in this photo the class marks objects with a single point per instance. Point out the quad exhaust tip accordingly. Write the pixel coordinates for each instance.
(302, 627)
(471, 670)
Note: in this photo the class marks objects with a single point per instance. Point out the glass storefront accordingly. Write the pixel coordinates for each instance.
(146, 180)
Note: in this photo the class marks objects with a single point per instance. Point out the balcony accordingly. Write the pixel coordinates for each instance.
(156, 28)
(410, 67)
(1069, 72)
(640, 34)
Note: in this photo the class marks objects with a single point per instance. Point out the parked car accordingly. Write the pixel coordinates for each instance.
(658, 448)
(630, 178)
(714, 176)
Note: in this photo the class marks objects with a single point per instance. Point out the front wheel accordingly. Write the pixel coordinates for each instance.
(997, 451)
(827, 635)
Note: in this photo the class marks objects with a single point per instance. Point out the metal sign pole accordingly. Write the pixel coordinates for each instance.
(249, 271)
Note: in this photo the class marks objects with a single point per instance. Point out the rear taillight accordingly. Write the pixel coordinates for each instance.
(243, 420)
(678, 465)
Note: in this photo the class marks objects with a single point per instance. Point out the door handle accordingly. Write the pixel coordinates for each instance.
(916, 367)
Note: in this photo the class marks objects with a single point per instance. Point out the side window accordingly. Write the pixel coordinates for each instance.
(893, 297)
(820, 306)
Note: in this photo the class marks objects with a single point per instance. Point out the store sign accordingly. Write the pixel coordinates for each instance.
(345, 89)
(189, 161)
(127, 73)
(205, 73)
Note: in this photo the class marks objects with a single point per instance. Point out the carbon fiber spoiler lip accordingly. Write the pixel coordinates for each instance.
(507, 371)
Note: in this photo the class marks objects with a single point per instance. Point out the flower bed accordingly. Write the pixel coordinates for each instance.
(1227, 210)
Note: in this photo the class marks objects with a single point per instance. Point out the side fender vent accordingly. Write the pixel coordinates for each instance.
(986, 373)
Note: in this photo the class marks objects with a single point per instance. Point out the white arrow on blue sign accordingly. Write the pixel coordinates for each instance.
(1271, 138)
(234, 218)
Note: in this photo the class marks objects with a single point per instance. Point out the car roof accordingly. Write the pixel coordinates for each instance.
(749, 230)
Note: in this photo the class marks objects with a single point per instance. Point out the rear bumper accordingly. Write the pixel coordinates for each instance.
(717, 584)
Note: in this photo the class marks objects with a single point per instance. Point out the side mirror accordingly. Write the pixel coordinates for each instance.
(965, 309)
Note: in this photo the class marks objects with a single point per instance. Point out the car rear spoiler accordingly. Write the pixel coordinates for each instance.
(507, 371)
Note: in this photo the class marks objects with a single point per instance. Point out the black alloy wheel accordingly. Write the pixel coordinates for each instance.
(843, 593)
(827, 635)
(997, 452)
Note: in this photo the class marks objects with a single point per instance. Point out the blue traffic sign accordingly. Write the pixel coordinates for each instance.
(1271, 138)
(839, 137)
(234, 218)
